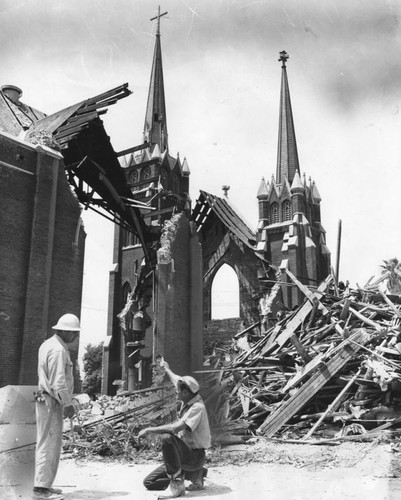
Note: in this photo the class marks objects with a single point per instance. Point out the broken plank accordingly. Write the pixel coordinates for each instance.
(345, 310)
(366, 320)
(391, 304)
(300, 376)
(300, 348)
(312, 297)
(243, 332)
(290, 407)
(332, 406)
(271, 338)
(296, 321)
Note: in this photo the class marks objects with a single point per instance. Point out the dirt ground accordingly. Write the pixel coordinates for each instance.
(259, 471)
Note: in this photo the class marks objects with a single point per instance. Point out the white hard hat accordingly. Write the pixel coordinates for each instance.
(68, 322)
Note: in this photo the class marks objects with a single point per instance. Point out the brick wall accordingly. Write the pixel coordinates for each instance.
(220, 332)
(41, 254)
(17, 186)
(176, 332)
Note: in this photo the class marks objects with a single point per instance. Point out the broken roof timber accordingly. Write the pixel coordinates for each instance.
(208, 202)
(91, 160)
(326, 371)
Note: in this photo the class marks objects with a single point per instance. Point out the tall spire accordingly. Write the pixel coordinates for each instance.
(287, 155)
(155, 128)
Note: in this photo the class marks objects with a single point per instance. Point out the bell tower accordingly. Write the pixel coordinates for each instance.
(290, 233)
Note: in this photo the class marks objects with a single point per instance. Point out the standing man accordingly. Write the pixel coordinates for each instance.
(184, 442)
(53, 401)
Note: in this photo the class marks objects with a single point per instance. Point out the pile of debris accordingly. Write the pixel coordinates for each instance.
(329, 369)
(109, 425)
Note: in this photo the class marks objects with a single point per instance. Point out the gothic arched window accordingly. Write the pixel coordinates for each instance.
(164, 178)
(133, 177)
(287, 210)
(176, 184)
(127, 237)
(146, 173)
(225, 294)
(274, 213)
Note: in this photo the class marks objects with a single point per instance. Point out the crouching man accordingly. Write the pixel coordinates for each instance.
(184, 441)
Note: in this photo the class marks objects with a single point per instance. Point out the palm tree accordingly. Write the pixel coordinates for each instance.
(392, 267)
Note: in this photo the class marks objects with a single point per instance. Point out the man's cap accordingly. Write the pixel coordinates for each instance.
(68, 322)
(190, 382)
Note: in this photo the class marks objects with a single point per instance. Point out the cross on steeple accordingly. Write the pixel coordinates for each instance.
(225, 190)
(283, 58)
(158, 20)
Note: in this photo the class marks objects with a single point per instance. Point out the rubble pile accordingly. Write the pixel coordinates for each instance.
(325, 372)
(330, 370)
(109, 425)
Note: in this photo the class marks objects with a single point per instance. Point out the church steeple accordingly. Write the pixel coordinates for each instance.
(155, 128)
(287, 155)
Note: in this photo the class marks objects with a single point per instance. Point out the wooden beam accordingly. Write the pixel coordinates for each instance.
(332, 406)
(300, 348)
(391, 304)
(312, 297)
(77, 120)
(239, 334)
(118, 92)
(366, 320)
(345, 310)
(294, 323)
(300, 376)
(346, 351)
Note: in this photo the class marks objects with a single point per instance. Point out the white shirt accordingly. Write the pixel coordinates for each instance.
(55, 370)
(194, 415)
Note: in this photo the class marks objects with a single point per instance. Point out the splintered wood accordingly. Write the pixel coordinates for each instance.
(329, 369)
(109, 426)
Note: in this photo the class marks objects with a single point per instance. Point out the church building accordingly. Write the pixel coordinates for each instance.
(160, 298)
(159, 183)
(290, 233)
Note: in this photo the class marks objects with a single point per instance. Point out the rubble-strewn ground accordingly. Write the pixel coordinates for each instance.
(260, 471)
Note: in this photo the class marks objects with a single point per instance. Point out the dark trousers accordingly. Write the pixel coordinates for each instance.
(176, 455)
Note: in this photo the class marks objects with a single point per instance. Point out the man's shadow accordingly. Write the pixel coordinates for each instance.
(211, 489)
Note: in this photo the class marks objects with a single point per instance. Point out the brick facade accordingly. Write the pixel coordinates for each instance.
(179, 299)
(41, 254)
(219, 333)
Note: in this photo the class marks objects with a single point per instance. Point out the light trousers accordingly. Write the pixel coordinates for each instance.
(49, 430)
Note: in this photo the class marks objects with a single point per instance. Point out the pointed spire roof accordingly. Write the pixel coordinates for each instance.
(185, 168)
(155, 128)
(263, 191)
(156, 152)
(287, 155)
(297, 183)
(315, 193)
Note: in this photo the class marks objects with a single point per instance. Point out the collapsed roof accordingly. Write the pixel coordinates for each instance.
(91, 164)
(207, 203)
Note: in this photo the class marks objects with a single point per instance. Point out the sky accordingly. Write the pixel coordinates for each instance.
(222, 83)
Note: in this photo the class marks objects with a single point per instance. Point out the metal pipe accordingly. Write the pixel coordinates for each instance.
(338, 251)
